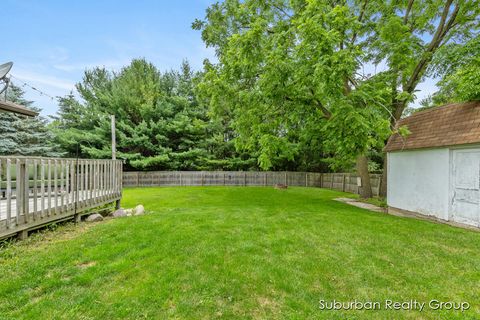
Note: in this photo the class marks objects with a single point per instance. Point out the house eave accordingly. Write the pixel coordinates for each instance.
(450, 146)
(7, 106)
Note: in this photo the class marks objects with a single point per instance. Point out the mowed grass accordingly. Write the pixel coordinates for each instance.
(240, 253)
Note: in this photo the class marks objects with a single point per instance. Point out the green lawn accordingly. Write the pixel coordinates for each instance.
(239, 253)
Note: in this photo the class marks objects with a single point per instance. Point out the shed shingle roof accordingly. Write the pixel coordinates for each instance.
(448, 125)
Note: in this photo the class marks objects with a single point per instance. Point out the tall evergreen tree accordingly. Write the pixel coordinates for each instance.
(160, 123)
(26, 136)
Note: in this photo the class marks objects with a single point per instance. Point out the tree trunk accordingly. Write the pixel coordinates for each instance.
(398, 108)
(382, 192)
(362, 171)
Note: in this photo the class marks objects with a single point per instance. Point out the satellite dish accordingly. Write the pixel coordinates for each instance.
(4, 70)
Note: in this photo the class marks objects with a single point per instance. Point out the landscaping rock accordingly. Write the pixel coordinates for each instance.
(139, 210)
(94, 217)
(119, 213)
(129, 212)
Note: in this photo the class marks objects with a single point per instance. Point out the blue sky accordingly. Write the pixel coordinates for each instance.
(52, 42)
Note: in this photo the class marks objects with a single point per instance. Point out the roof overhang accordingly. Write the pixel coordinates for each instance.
(444, 126)
(7, 106)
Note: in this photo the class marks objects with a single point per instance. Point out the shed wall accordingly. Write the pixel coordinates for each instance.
(418, 181)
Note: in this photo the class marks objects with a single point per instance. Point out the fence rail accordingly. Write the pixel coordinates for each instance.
(37, 191)
(337, 181)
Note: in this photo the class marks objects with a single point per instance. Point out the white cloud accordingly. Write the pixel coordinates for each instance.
(58, 54)
(82, 66)
(37, 78)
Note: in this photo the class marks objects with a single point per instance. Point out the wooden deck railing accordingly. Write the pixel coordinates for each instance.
(37, 191)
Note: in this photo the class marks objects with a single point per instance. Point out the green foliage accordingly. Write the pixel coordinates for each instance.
(419, 39)
(460, 71)
(159, 122)
(26, 136)
(287, 72)
(288, 89)
(354, 131)
(403, 131)
(291, 69)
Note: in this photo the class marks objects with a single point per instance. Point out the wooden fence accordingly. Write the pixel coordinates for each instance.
(37, 191)
(338, 181)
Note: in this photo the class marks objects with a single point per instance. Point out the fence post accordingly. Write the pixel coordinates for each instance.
(286, 179)
(343, 183)
(265, 178)
(306, 179)
(245, 178)
(379, 184)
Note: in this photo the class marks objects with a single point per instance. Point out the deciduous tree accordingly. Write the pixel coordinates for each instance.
(289, 66)
(292, 69)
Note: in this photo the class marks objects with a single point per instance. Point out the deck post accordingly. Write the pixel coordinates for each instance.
(22, 235)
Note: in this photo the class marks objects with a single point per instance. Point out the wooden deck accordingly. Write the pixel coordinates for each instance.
(39, 191)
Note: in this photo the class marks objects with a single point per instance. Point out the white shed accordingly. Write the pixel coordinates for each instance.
(435, 170)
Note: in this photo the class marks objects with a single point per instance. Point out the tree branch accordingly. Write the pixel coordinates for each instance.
(281, 10)
(326, 113)
(407, 13)
(442, 29)
(451, 22)
(360, 19)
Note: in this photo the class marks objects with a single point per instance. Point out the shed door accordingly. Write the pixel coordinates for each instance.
(466, 187)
